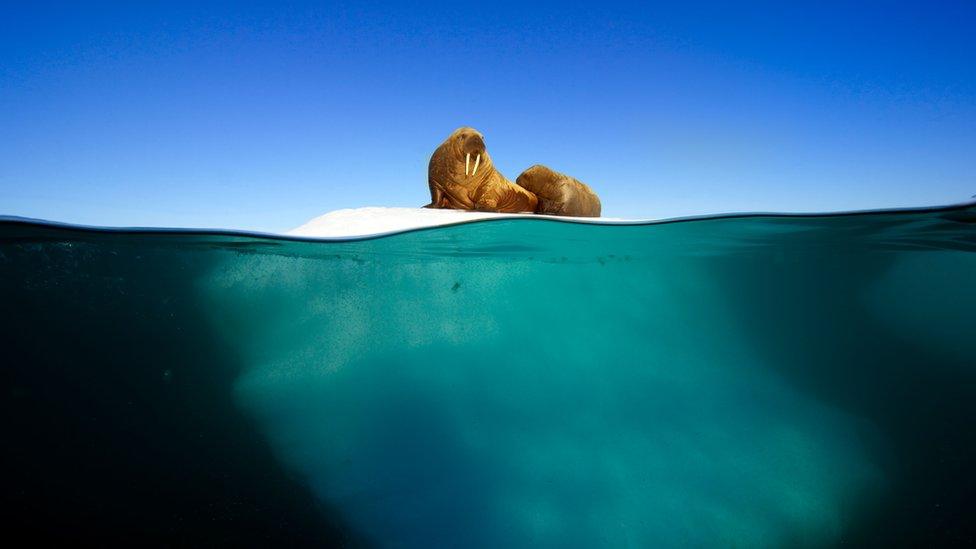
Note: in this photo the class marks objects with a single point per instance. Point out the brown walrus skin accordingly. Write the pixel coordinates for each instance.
(459, 180)
(559, 194)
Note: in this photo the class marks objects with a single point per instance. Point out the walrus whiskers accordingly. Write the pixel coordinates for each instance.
(476, 162)
(467, 160)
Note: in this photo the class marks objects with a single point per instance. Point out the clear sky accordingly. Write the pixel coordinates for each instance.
(261, 116)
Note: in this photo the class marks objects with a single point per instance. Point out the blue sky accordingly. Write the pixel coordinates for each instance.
(260, 116)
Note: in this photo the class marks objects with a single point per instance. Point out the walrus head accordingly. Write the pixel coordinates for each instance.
(460, 158)
(462, 176)
(471, 144)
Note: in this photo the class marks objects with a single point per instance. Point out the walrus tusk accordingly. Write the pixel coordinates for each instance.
(467, 160)
(476, 162)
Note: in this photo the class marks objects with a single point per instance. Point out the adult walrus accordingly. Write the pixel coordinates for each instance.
(462, 176)
(559, 194)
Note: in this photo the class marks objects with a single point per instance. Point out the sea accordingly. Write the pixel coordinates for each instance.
(763, 380)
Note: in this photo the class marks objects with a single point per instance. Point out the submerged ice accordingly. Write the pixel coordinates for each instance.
(537, 384)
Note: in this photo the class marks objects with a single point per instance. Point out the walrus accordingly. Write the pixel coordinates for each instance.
(462, 176)
(558, 193)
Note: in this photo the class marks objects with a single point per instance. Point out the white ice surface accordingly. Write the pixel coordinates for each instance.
(378, 220)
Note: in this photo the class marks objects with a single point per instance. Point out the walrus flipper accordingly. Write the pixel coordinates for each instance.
(501, 195)
(436, 197)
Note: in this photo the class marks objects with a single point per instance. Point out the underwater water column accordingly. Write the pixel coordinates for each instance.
(751, 381)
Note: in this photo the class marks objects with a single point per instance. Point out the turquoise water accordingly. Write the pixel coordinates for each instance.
(741, 381)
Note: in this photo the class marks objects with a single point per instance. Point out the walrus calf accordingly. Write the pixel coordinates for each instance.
(559, 194)
(462, 176)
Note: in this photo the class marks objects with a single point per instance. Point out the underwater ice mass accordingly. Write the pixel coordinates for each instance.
(756, 381)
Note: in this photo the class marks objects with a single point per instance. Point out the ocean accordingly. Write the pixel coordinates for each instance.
(745, 381)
